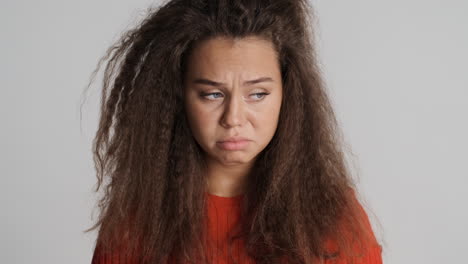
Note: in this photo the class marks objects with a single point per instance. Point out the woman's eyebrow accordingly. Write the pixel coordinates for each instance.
(246, 83)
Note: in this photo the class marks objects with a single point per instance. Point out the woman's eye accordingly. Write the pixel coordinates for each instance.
(213, 95)
(259, 95)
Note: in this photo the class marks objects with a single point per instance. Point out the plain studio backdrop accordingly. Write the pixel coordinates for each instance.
(397, 72)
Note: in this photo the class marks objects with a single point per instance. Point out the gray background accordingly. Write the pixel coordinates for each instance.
(396, 70)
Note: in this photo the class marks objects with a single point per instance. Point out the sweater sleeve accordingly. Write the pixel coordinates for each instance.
(372, 254)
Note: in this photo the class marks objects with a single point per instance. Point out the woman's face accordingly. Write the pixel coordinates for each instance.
(233, 92)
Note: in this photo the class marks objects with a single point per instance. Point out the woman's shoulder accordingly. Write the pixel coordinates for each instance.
(372, 250)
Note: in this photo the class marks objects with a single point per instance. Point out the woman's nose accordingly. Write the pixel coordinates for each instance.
(234, 112)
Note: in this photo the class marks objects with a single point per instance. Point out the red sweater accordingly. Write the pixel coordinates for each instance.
(223, 213)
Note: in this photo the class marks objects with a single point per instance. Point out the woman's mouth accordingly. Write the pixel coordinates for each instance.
(233, 145)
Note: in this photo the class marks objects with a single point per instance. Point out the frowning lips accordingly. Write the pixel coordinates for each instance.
(234, 139)
(234, 143)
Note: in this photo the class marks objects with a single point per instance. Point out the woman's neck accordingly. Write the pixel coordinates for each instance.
(227, 181)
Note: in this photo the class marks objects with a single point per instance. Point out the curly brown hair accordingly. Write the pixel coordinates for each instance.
(299, 192)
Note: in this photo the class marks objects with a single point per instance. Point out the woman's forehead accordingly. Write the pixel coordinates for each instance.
(218, 59)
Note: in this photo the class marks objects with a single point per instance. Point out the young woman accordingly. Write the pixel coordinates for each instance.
(218, 144)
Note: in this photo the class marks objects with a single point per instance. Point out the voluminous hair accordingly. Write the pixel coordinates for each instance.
(300, 192)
